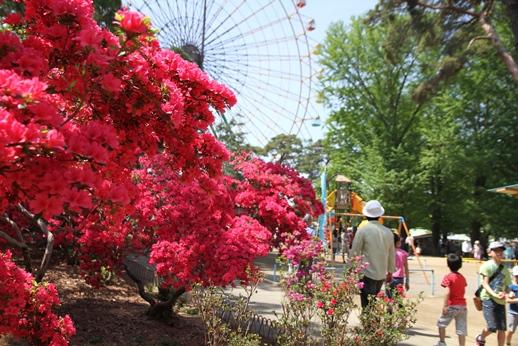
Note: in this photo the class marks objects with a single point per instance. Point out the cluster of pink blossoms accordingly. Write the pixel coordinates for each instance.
(27, 307)
(277, 196)
(192, 228)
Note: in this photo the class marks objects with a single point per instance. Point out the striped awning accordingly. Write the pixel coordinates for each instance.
(511, 190)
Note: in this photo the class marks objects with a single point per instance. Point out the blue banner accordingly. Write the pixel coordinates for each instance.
(322, 218)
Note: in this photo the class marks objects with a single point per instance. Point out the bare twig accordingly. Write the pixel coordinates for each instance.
(26, 212)
(12, 241)
(477, 38)
(20, 243)
(448, 7)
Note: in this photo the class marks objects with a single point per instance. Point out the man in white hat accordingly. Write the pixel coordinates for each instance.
(375, 243)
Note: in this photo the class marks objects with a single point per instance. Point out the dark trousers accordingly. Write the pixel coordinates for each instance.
(370, 288)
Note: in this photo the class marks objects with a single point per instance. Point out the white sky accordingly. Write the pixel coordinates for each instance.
(325, 12)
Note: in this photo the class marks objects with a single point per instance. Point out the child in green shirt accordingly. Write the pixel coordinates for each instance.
(493, 295)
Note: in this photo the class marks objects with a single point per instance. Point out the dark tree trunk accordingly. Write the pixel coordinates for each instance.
(162, 310)
(161, 307)
(436, 213)
(476, 222)
(475, 230)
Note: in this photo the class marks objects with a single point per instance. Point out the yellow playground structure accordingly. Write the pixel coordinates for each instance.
(343, 203)
(344, 209)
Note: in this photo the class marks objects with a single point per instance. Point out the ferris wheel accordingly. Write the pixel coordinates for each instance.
(258, 48)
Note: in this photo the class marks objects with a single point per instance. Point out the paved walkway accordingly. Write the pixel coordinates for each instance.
(268, 298)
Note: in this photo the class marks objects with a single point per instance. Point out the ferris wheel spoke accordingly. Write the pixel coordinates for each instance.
(267, 120)
(252, 32)
(183, 10)
(279, 42)
(257, 70)
(280, 74)
(250, 123)
(175, 28)
(144, 5)
(274, 106)
(279, 58)
(254, 130)
(211, 31)
(198, 32)
(260, 58)
(236, 24)
(195, 20)
(270, 88)
(169, 33)
(212, 18)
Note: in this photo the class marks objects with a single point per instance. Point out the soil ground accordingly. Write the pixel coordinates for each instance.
(115, 315)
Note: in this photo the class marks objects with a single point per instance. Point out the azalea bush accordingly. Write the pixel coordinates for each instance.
(79, 107)
(386, 320)
(274, 194)
(27, 307)
(208, 229)
(301, 287)
(227, 319)
(318, 304)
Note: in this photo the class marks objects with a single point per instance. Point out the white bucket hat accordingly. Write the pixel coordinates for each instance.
(373, 208)
(496, 245)
(515, 271)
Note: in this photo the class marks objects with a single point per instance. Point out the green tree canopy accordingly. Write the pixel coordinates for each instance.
(367, 79)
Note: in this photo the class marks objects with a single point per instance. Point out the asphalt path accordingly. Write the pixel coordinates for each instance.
(426, 274)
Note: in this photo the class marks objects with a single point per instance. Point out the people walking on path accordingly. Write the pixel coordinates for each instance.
(512, 315)
(495, 280)
(467, 249)
(401, 275)
(344, 242)
(477, 250)
(454, 307)
(409, 242)
(375, 243)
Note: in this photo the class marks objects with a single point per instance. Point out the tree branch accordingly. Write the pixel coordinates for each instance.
(50, 242)
(12, 241)
(21, 243)
(141, 289)
(448, 7)
(501, 51)
(172, 298)
(409, 123)
(48, 250)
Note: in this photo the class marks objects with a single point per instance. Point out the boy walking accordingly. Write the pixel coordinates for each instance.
(512, 299)
(495, 283)
(454, 302)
